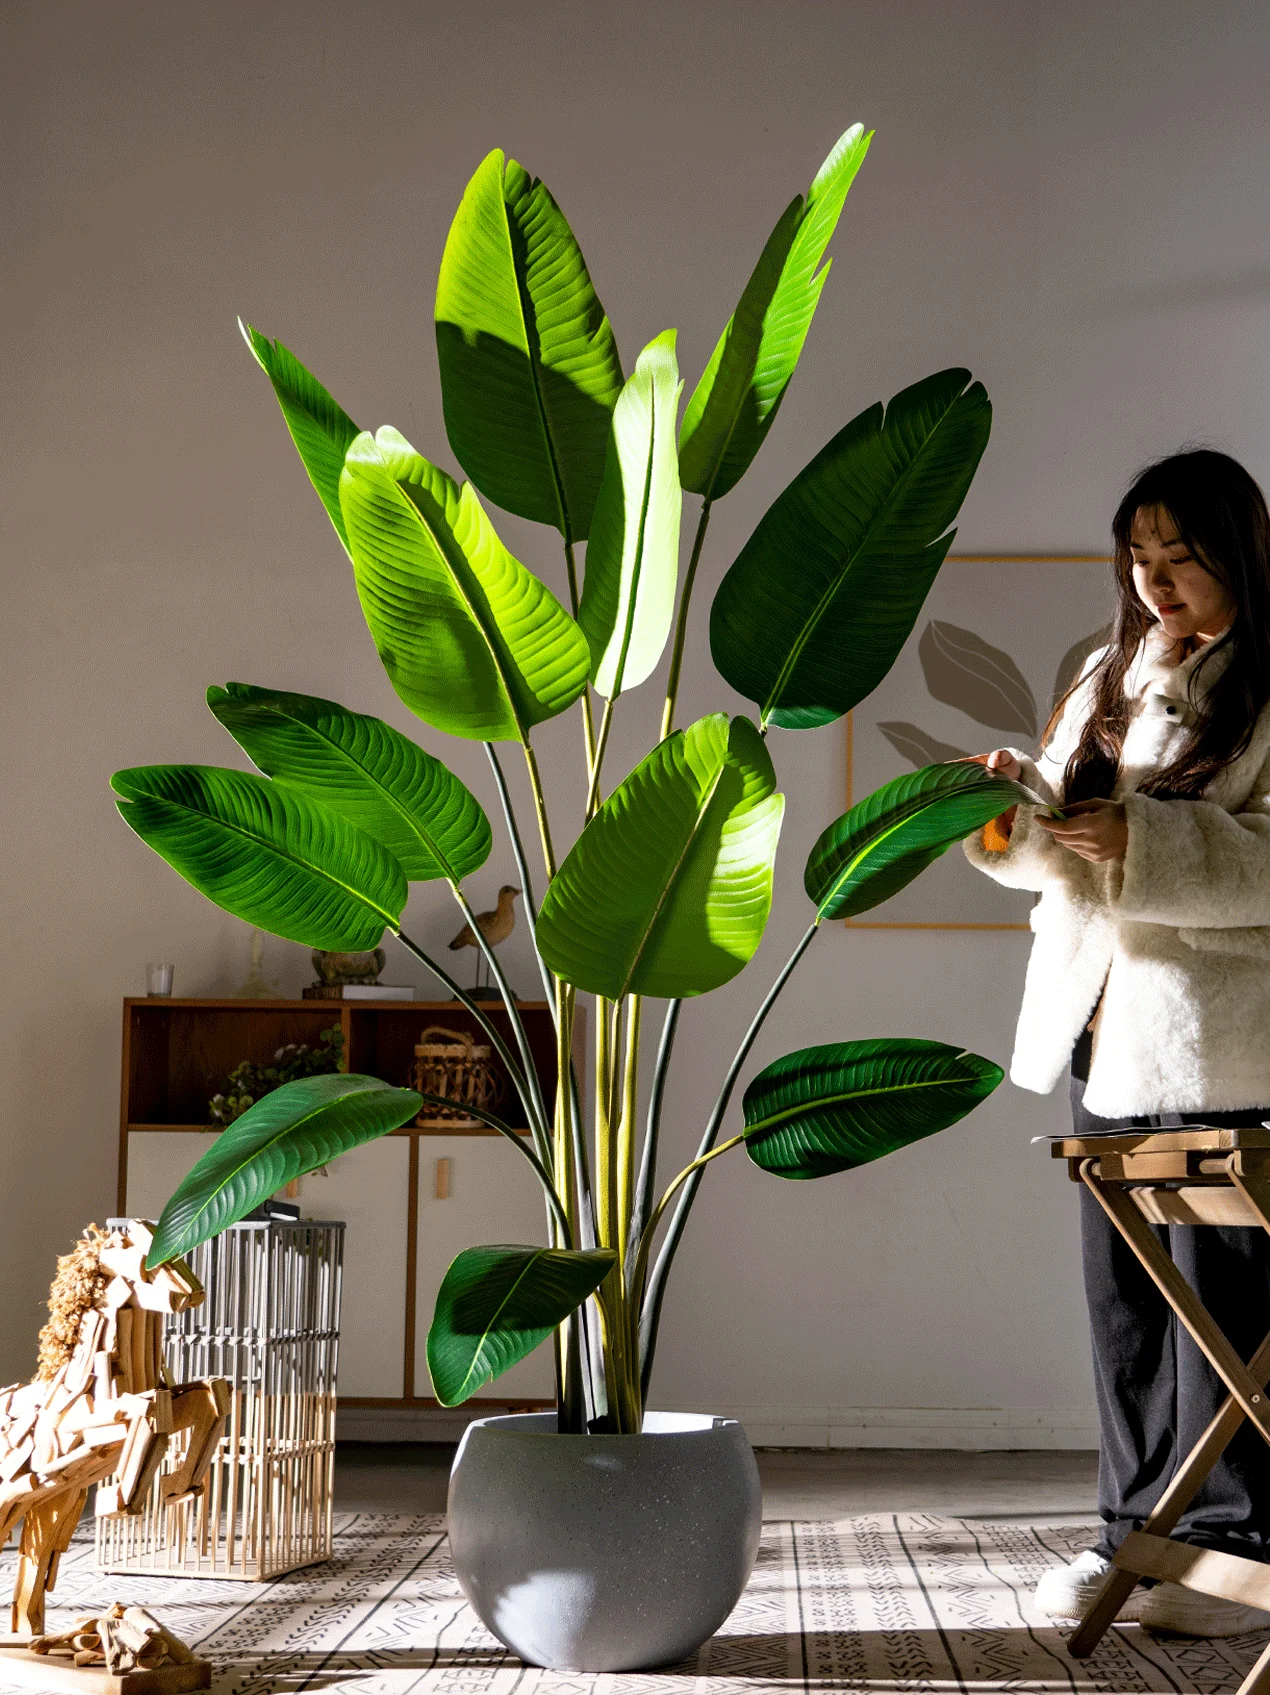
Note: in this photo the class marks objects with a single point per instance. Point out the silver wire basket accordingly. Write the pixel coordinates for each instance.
(271, 1325)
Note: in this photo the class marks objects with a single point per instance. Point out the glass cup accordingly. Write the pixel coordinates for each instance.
(159, 979)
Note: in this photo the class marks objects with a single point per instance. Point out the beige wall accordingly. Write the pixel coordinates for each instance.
(1070, 198)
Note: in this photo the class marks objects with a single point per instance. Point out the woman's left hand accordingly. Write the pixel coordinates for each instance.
(1097, 830)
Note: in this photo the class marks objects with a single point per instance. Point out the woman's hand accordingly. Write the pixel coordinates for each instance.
(1097, 830)
(1002, 763)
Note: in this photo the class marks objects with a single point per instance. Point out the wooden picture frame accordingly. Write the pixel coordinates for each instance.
(856, 788)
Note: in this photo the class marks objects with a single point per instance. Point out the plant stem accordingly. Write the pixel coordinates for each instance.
(522, 1146)
(650, 1314)
(540, 807)
(604, 1063)
(518, 846)
(648, 1157)
(593, 793)
(681, 625)
(509, 1001)
(690, 1170)
(626, 1129)
(538, 1127)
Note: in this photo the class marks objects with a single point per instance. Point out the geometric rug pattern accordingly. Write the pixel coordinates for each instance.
(906, 1603)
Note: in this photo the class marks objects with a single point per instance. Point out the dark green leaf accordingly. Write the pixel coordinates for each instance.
(736, 401)
(321, 430)
(667, 890)
(496, 1304)
(831, 1108)
(266, 853)
(823, 596)
(873, 851)
(297, 1128)
(529, 368)
(365, 770)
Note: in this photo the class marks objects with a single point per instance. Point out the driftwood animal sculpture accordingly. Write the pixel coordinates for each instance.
(100, 1405)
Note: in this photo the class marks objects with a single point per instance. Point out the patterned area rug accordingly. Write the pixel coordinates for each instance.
(909, 1603)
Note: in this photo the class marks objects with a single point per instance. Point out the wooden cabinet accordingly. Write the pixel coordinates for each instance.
(404, 1226)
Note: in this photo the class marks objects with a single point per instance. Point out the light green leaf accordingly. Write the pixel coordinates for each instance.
(321, 430)
(365, 770)
(892, 835)
(529, 367)
(667, 890)
(268, 854)
(293, 1129)
(496, 1304)
(823, 596)
(471, 641)
(831, 1108)
(736, 401)
(632, 558)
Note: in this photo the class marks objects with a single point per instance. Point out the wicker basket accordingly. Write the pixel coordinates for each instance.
(451, 1064)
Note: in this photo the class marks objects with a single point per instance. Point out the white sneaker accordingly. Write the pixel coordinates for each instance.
(1068, 1592)
(1184, 1612)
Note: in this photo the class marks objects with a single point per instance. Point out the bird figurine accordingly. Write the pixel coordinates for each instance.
(495, 925)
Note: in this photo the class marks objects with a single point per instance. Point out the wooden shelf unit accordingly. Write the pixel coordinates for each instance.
(177, 1053)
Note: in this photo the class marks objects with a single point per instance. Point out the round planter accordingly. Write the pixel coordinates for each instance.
(604, 1553)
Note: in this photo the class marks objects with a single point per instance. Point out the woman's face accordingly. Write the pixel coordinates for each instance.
(1186, 598)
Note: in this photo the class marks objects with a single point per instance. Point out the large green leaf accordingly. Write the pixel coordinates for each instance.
(294, 1129)
(471, 641)
(363, 768)
(266, 853)
(889, 837)
(736, 401)
(632, 558)
(321, 430)
(496, 1304)
(529, 367)
(831, 1108)
(823, 596)
(667, 890)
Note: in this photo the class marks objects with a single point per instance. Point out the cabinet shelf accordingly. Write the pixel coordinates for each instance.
(177, 1053)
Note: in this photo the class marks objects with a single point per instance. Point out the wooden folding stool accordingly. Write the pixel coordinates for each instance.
(1198, 1175)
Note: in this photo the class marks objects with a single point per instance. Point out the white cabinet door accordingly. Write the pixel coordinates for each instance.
(368, 1190)
(494, 1197)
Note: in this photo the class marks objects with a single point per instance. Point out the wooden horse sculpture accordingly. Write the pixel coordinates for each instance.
(100, 1405)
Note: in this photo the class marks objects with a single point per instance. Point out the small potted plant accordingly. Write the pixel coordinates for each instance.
(602, 1536)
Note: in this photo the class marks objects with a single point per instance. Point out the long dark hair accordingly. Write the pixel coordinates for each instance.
(1220, 513)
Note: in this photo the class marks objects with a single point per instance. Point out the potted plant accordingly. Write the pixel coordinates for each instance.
(602, 1536)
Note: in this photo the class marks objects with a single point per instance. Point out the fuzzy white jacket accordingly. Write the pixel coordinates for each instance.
(1175, 939)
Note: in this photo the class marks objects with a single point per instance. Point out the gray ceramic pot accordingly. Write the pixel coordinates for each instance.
(604, 1553)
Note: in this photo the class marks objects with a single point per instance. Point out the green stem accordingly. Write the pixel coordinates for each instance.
(593, 793)
(604, 1061)
(681, 625)
(690, 1170)
(648, 1157)
(540, 808)
(514, 1136)
(509, 1001)
(500, 1046)
(626, 1129)
(650, 1314)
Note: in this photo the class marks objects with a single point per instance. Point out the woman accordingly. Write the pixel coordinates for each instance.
(1150, 975)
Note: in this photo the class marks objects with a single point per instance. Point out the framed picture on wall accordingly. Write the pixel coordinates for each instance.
(998, 641)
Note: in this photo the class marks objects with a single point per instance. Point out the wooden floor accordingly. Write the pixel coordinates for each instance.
(410, 1477)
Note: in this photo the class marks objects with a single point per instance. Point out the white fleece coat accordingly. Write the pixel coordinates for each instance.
(1175, 939)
